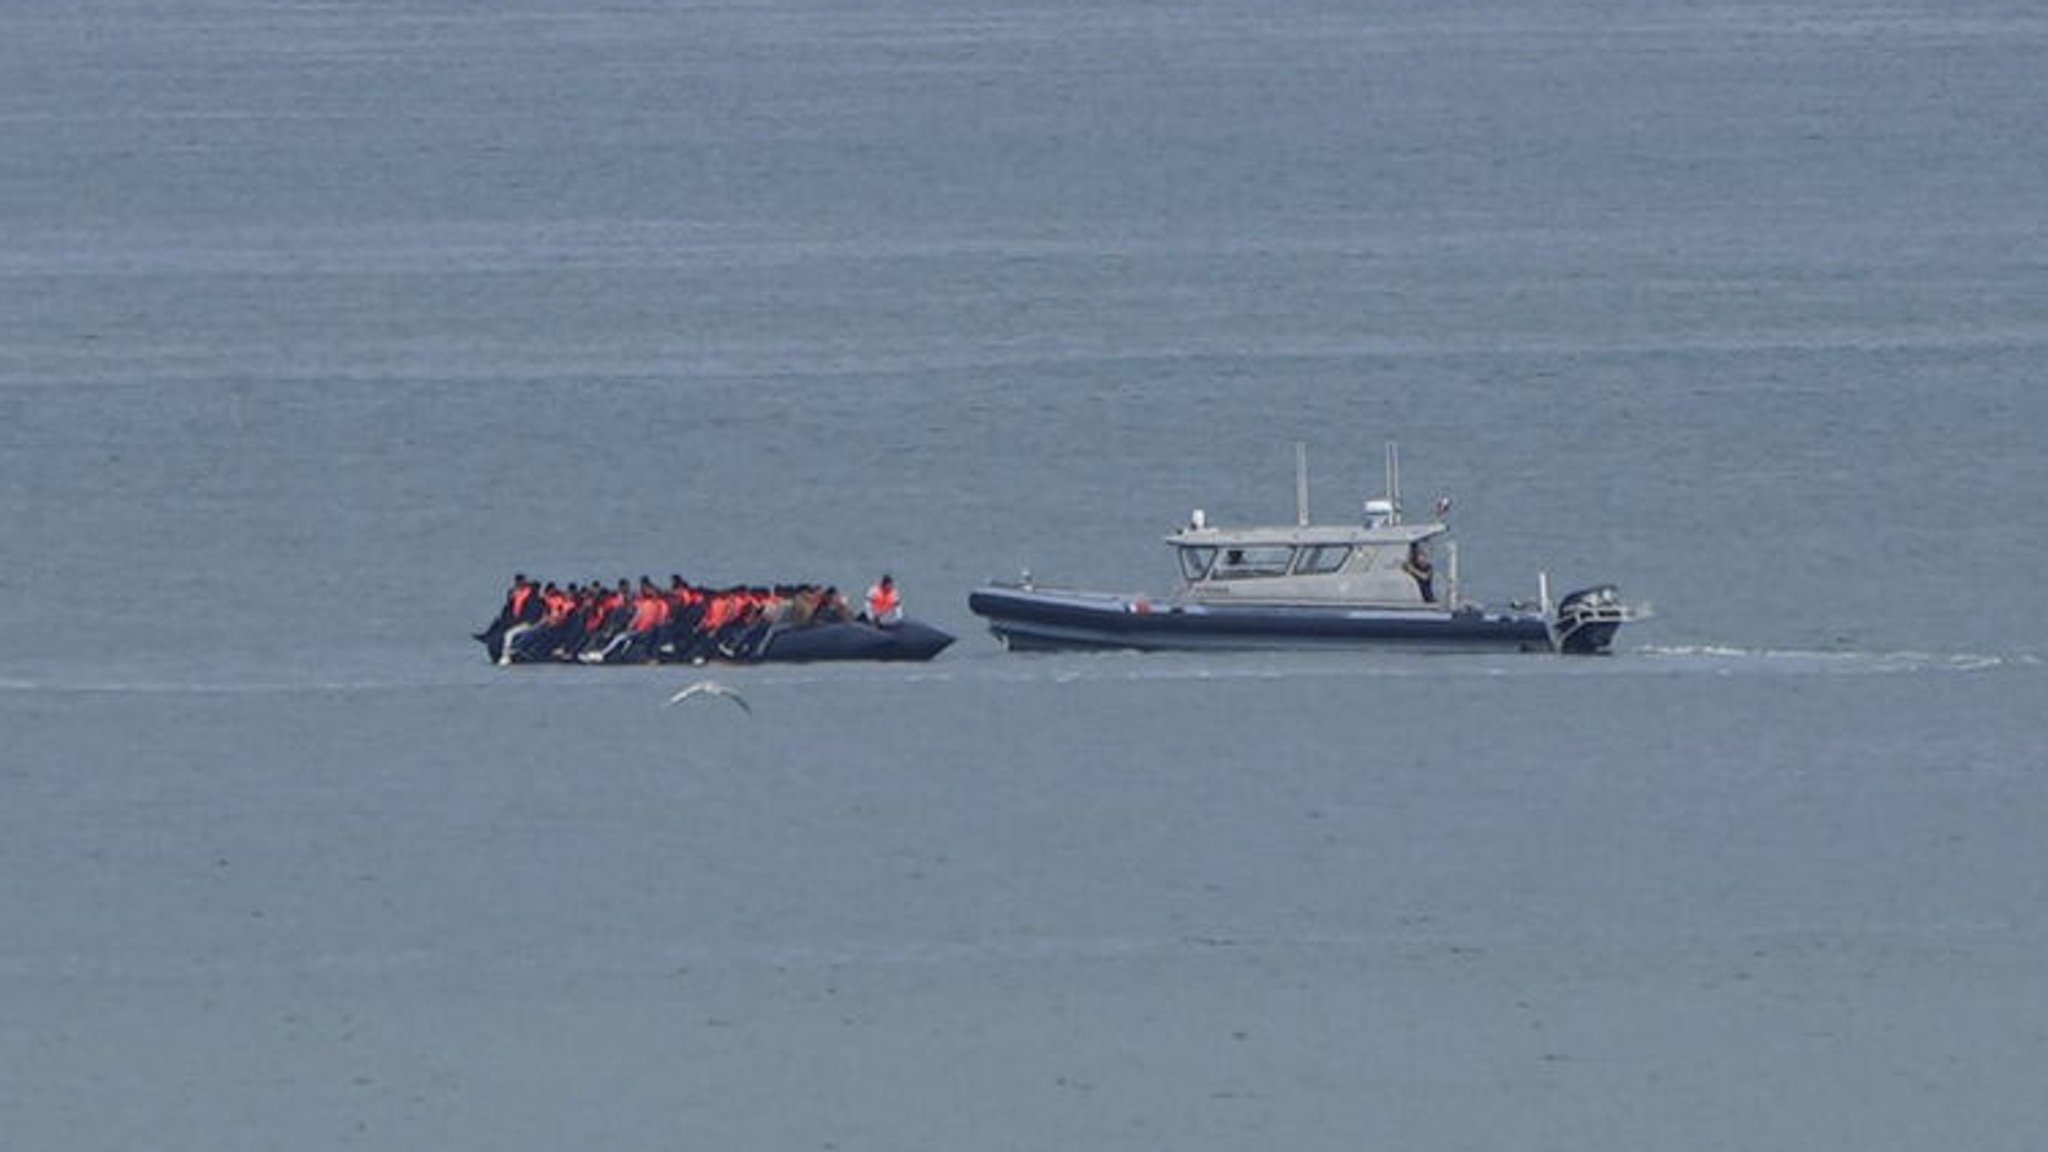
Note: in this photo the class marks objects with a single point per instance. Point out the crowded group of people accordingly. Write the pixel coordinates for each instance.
(626, 624)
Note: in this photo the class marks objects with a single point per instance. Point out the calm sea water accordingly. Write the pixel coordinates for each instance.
(318, 321)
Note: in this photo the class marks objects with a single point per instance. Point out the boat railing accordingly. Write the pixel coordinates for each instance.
(1455, 592)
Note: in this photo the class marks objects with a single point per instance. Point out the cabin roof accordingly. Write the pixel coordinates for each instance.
(1295, 535)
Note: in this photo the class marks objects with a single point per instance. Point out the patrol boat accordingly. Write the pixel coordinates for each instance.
(1370, 584)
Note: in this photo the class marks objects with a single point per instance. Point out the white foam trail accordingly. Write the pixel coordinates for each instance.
(181, 687)
(1837, 660)
(996, 667)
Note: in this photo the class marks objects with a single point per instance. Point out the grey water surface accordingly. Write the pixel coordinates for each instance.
(317, 321)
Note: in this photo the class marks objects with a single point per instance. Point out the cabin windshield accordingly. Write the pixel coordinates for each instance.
(1264, 560)
(1194, 562)
(1322, 559)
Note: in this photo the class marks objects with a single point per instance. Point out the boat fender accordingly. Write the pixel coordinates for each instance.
(1142, 607)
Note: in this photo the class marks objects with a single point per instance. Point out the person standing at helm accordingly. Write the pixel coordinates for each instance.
(885, 604)
(1418, 566)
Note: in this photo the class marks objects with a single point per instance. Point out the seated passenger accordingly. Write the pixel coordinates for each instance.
(637, 642)
(605, 622)
(528, 643)
(522, 606)
(885, 604)
(803, 606)
(832, 608)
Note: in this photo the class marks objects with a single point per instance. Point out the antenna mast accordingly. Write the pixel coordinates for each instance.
(1301, 484)
(1394, 480)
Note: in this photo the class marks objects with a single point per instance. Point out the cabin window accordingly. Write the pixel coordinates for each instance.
(1322, 559)
(1267, 560)
(1194, 562)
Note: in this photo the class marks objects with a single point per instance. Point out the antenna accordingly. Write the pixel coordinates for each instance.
(1301, 484)
(1394, 480)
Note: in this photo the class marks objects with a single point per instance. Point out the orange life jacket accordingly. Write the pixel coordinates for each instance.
(601, 611)
(646, 614)
(559, 606)
(883, 601)
(719, 614)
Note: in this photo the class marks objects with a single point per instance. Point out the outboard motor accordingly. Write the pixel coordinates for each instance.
(1587, 619)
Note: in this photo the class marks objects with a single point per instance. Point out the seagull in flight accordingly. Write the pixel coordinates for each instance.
(712, 688)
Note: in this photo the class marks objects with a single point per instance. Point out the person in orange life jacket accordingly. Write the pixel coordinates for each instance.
(559, 606)
(746, 613)
(741, 617)
(562, 619)
(602, 620)
(712, 616)
(885, 604)
(770, 608)
(650, 612)
(588, 616)
(685, 606)
(535, 639)
(663, 614)
(533, 610)
(522, 604)
(724, 609)
(640, 617)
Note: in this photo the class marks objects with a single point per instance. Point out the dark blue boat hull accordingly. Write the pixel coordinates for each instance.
(1027, 619)
(907, 640)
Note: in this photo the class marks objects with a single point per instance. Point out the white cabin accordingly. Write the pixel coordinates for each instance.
(1365, 565)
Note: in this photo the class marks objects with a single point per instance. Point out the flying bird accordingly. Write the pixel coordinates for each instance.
(711, 688)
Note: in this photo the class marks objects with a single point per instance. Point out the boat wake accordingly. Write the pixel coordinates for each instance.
(1727, 659)
(1655, 660)
(173, 686)
(994, 667)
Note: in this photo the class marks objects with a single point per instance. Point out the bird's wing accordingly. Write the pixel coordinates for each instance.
(714, 689)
